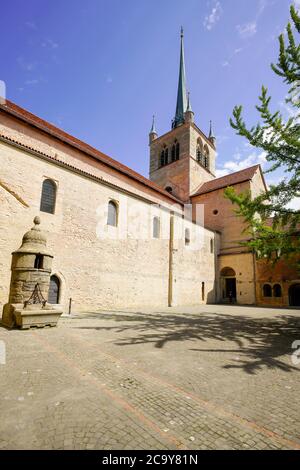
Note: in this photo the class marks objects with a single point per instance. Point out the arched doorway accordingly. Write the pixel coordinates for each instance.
(53, 296)
(294, 295)
(228, 284)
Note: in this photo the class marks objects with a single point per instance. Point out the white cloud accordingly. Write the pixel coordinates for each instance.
(32, 82)
(31, 25)
(294, 203)
(297, 3)
(237, 164)
(50, 44)
(225, 63)
(28, 66)
(211, 19)
(247, 30)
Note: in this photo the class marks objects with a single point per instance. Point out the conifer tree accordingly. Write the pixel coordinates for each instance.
(273, 226)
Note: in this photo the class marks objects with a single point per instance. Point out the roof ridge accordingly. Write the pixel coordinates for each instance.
(237, 172)
(232, 178)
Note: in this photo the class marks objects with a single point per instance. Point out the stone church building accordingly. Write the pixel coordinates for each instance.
(122, 240)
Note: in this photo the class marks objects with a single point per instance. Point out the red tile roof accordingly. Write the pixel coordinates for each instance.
(228, 180)
(45, 126)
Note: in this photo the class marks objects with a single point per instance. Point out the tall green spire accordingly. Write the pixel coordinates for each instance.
(181, 94)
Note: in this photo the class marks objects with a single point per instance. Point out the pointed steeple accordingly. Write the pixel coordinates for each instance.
(211, 136)
(181, 94)
(153, 130)
(189, 106)
(152, 133)
(189, 114)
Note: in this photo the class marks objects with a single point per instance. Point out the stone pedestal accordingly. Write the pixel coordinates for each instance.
(16, 315)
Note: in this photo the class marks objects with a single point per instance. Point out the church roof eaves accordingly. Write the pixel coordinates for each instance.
(54, 131)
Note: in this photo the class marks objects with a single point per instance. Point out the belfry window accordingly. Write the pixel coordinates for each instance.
(206, 157)
(177, 151)
(173, 153)
(48, 196)
(156, 227)
(112, 214)
(166, 156)
(162, 158)
(199, 152)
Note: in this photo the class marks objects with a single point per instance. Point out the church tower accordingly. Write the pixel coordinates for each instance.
(184, 158)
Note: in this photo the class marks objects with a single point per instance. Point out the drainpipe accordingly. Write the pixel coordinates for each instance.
(171, 246)
(254, 274)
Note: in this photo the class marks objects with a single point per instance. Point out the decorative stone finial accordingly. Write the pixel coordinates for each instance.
(37, 220)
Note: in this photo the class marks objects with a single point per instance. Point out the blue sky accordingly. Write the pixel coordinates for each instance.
(100, 69)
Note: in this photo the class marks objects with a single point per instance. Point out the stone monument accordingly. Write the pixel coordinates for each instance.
(30, 279)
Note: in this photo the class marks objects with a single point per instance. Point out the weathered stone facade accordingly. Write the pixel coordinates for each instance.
(94, 269)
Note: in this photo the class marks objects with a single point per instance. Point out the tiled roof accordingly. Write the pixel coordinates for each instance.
(228, 180)
(45, 126)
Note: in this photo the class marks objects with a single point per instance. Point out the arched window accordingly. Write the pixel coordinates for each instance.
(211, 245)
(112, 214)
(177, 151)
(48, 196)
(277, 290)
(206, 157)
(54, 287)
(173, 153)
(199, 151)
(156, 227)
(267, 290)
(162, 158)
(187, 236)
(166, 156)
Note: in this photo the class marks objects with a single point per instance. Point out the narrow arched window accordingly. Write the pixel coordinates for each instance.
(267, 290)
(187, 237)
(166, 156)
(112, 214)
(48, 196)
(162, 158)
(156, 227)
(177, 151)
(199, 152)
(277, 290)
(173, 153)
(211, 245)
(206, 157)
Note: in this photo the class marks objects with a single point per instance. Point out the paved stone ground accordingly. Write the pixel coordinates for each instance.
(183, 378)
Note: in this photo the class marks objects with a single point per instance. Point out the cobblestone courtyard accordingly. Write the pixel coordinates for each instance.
(183, 378)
